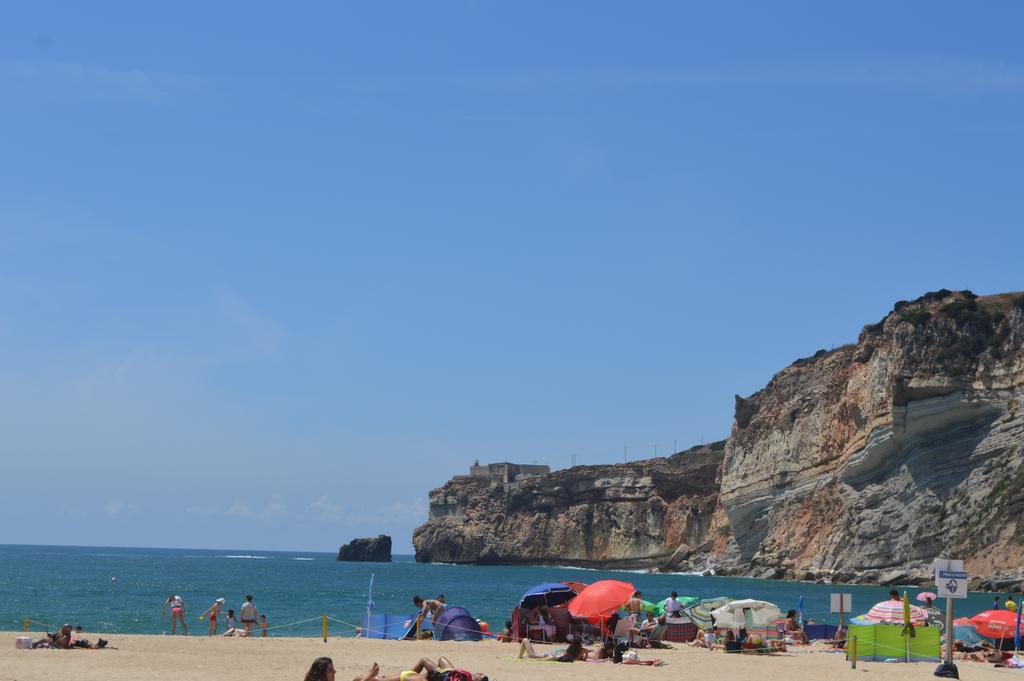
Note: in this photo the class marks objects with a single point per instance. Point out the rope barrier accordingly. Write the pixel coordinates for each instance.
(898, 651)
(28, 620)
(292, 624)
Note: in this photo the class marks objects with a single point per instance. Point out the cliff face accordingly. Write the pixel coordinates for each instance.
(868, 462)
(860, 464)
(636, 514)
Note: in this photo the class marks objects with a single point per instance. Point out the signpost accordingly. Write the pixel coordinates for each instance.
(950, 582)
(841, 603)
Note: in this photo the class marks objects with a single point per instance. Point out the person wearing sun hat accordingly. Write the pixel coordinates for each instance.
(213, 611)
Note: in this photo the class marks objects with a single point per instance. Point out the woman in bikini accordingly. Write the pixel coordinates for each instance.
(424, 670)
(572, 653)
(177, 613)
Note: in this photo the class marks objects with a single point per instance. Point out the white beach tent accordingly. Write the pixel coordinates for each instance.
(748, 612)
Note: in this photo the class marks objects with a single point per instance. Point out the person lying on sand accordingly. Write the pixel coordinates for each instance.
(729, 643)
(65, 639)
(755, 644)
(59, 639)
(322, 669)
(984, 652)
(571, 653)
(237, 631)
(425, 670)
(707, 639)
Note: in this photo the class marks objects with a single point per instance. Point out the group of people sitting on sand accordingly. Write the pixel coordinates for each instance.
(984, 652)
(790, 633)
(424, 670)
(740, 642)
(575, 651)
(66, 638)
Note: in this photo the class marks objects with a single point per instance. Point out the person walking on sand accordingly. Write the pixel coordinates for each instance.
(248, 613)
(212, 612)
(177, 613)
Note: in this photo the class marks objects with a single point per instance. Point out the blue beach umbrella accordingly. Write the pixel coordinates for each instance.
(800, 609)
(552, 593)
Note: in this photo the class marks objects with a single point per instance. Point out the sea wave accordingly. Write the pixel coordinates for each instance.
(642, 571)
(303, 558)
(250, 557)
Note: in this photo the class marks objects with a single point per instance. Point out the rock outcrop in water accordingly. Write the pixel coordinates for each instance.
(860, 464)
(372, 549)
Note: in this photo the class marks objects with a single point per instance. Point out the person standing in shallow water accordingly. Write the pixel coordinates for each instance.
(248, 613)
(214, 613)
(177, 606)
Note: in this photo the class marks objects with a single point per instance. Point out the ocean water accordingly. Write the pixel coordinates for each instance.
(57, 584)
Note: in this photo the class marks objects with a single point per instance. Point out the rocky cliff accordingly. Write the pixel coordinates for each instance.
(626, 515)
(864, 463)
(857, 464)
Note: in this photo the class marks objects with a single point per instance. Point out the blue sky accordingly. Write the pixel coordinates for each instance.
(269, 273)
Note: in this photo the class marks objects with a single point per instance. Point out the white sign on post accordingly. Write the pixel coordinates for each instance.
(950, 578)
(842, 602)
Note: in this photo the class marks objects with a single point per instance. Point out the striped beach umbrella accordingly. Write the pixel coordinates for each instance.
(891, 612)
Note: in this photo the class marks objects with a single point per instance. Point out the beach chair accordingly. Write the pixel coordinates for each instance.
(622, 628)
(547, 631)
(656, 635)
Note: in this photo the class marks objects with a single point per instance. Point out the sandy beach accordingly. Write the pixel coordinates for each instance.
(231, 659)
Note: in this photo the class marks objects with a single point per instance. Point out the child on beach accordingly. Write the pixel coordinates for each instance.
(505, 635)
(214, 611)
(232, 622)
(263, 626)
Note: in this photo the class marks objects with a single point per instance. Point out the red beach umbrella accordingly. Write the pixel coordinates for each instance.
(600, 598)
(995, 623)
(576, 586)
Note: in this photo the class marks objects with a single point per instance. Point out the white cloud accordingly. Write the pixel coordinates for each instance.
(327, 509)
(69, 510)
(94, 81)
(253, 333)
(920, 72)
(372, 515)
(274, 508)
(116, 507)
